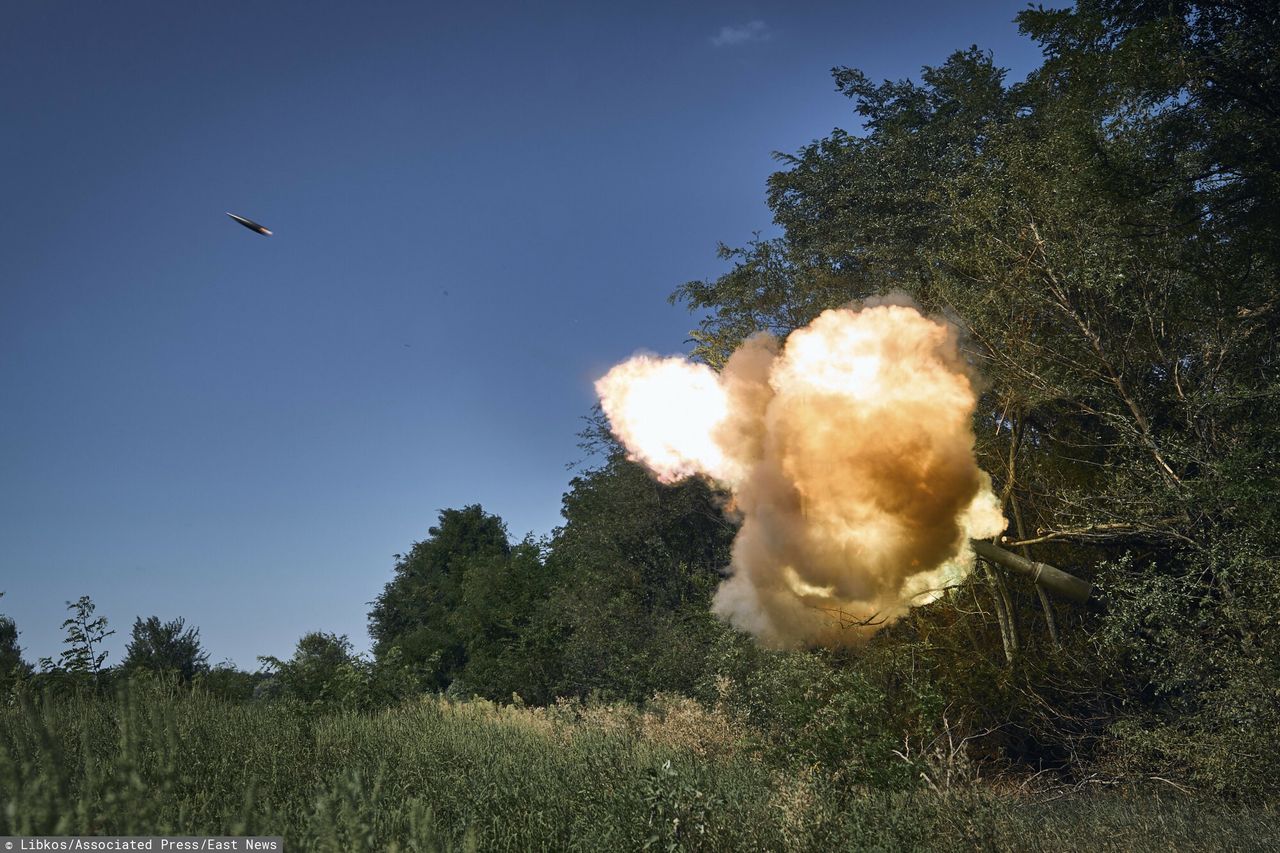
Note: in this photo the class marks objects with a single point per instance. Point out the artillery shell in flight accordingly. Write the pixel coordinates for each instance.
(250, 224)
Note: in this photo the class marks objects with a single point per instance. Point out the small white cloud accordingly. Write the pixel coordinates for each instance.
(742, 34)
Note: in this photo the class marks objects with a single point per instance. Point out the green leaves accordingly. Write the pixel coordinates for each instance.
(415, 610)
(169, 647)
(1106, 233)
(12, 667)
(83, 654)
(323, 672)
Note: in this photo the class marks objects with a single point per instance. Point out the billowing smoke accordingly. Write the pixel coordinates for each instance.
(849, 454)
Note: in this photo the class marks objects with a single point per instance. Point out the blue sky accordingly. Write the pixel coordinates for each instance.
(477, 210)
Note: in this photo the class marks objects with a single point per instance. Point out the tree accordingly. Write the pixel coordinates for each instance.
(511, 647)
(165, 647)
(225, 681)
(12, 666)
(84, 654)
(1106, 235)
(414, 611)
(323, 669)
(634, 567)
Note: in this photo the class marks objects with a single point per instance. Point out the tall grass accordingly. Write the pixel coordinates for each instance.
(441, 775)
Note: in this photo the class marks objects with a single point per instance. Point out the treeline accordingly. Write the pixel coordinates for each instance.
(614, 606)
(1107, 235)
(156, 649)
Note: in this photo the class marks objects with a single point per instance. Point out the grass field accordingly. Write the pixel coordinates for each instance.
(441, 775)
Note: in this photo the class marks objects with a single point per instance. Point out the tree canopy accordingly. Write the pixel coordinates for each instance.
(1104, 232)
(166, 647)
(12, 665)
(415, 611)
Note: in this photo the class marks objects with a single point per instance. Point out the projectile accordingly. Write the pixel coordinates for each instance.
(250, 224)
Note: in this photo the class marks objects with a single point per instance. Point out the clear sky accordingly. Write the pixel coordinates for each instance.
(478, 208)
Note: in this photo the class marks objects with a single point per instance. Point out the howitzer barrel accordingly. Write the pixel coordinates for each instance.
(1049, 577)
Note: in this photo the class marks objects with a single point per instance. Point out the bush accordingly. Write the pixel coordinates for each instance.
(1198, 653)
(814, 709)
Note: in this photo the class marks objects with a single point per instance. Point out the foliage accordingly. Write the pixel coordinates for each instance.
(13, 668)
(159, 647)
(224, 681)
(325, 674)
(437, 775)
(680, 813)
(815, 710)
(636, 563)
(1105, 233)
(615, 605)
(83, 655)
(1206, 662)
(413, 613)
(500, 621)
(323, 670)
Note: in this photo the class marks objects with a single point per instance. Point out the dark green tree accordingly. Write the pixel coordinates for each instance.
(12, 666)
(226, 681)
(323, 670)
(165, 647)
(496, 623)
(415, 611)
(635, 564)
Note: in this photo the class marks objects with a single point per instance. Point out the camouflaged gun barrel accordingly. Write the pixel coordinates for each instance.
(1053, 579)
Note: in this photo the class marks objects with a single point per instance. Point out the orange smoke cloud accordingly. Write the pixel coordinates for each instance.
(849, 454)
